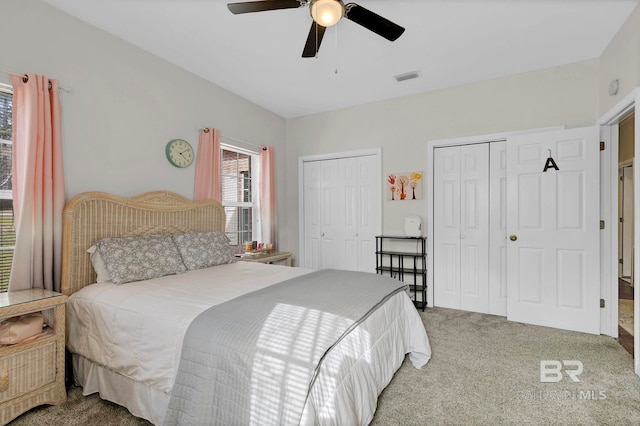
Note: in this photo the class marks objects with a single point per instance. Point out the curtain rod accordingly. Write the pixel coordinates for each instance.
(206, 130)
(25, 78)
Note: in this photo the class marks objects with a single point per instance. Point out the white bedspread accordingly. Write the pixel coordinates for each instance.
(137, 329)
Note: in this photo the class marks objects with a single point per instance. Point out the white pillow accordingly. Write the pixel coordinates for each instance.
(98, 265)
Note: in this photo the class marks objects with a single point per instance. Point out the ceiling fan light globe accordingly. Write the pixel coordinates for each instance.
(327, 12)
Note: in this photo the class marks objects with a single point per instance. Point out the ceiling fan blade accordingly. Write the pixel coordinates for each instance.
(313, 40)
(372, 21)
(263, 5)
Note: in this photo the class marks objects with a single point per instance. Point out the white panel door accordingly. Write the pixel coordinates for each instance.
(342, 212)
(461, 215)
(348, 169)
(331, 206)
(358, 190)
(446, 232)
(553, 226)
(498, 228)
(474, 227)
(368, 218)
(312, 214)
(322, 216)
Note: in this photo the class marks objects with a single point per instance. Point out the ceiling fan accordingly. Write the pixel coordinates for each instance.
(325, 13)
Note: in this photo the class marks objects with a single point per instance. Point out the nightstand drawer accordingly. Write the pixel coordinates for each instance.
(25, 367)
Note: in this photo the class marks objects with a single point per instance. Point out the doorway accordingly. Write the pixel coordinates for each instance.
(610, 124)
(626, 224)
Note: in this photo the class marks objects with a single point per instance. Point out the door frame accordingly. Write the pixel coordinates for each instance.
(609, 211)
(621, 225)
(438, 143)
(377, 152)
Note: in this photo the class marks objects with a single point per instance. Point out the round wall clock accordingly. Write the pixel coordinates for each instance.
(179, 153)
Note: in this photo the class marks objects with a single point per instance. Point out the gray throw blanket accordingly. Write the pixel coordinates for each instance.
(253, 359)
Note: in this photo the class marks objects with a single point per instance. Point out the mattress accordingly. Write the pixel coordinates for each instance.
(133, 333)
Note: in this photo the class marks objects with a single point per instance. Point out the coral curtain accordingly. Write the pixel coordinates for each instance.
(38, 183)
(208, 180)
(267, 196)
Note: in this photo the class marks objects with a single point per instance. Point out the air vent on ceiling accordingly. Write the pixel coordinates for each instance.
(407, 76)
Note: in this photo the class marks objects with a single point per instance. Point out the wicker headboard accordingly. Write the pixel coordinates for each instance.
(91, 216)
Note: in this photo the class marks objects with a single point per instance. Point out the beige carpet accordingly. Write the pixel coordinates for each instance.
(484, 371)
(625, 315)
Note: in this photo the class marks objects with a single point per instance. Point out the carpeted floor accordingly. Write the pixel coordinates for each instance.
(625, 315)
(484, 371)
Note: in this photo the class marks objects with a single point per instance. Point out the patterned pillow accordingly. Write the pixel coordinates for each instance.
(203, 249)
(140, 258)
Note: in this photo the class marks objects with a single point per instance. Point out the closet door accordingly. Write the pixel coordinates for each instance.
(322, 217)
(312, 227)
(474, 227)
(498, 228)
(446, 232)
(461, 218)
(361, 212)
(331, 205)
(342, 212)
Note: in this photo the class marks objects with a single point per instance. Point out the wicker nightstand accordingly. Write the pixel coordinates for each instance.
(32, 372)
(276, 258)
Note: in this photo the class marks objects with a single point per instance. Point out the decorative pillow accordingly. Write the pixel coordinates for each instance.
(98, 265)
(203, 249)
(140, 258)
(17, 329)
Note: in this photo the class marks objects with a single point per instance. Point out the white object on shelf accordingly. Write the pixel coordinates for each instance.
(413, 226)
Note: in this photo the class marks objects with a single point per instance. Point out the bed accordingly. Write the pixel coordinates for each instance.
(179, 349)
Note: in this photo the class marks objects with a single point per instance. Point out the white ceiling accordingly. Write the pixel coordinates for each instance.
(450, 42)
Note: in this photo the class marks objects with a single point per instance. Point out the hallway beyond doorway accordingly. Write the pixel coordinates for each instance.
(625, 293)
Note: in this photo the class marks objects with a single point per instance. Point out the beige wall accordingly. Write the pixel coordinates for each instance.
(125, 104)
(566, 95)
(573, 95)
(621, 61)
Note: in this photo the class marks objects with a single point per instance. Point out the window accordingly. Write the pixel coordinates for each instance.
(7, 231)
(240, 195)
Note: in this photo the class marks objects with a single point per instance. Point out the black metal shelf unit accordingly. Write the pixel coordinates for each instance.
(406, 262)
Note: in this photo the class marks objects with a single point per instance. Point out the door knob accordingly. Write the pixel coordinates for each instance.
(513, 237)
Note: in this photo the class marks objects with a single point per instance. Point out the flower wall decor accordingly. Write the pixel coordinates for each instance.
(404, 186)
